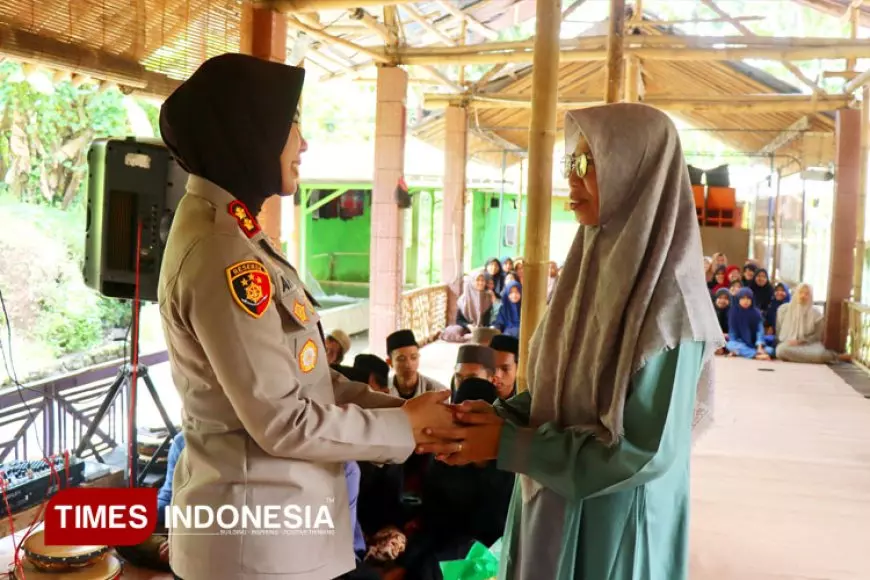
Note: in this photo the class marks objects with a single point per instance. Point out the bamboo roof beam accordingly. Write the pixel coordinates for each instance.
(319, 34)
(644, 41)
(38, 50)
(570, 9)
(856, 83)
(787, 136)
(654, 23)
(488, 75)
(427, 25)
(481, 55)
(393, 27)
(372, 23)
(473, 23)
(747, 32)
(763, 103)
(301, 6)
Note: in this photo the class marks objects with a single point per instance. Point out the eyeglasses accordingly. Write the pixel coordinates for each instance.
(575, 163)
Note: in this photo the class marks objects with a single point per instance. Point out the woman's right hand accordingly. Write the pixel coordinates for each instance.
(428, 410)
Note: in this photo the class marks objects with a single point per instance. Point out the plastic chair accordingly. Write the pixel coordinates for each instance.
(721, 207)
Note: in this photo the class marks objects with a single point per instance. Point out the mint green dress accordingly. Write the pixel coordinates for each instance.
(619, 513)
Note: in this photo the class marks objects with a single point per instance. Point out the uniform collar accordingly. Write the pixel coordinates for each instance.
(224, 201)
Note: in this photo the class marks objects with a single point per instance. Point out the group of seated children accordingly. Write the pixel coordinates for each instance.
(492, 298)
(760, 320)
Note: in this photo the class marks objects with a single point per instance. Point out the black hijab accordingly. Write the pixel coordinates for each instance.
(722, 313)
(763, 294)
(229, 123)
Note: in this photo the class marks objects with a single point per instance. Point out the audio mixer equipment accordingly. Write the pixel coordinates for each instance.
(29, 483)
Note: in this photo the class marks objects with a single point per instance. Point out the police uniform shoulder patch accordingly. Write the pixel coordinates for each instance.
(250, 286)
(247, 222)
(308, 356)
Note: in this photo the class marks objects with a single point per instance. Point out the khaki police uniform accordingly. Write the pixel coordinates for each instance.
(263, 421)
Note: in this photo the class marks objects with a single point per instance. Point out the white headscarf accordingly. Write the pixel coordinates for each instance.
(630, 288)
(799, 321)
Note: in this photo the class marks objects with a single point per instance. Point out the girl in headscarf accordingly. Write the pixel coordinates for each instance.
(720, 259)
(709, 270)
(732, 274)
(508, 319)
(603, 437)
(746, 328)
(799, 331)
(507, 264)
(518, 270)
(474, 309)
(762, 289)
(720, 280)
(749, 272)
(722, 302)
(494, 269)
(781, 295)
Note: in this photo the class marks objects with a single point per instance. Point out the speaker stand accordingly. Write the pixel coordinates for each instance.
(124, 380)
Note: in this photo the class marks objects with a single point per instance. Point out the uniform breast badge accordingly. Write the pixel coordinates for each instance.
(247, 223)
(250, 286)
(308, 356)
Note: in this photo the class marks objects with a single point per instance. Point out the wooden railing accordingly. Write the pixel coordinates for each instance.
(424, 311)
(858, 343)
(61, 409)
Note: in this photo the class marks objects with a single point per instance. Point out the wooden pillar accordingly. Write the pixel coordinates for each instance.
(863, 183)
(843, 234)
(614, 74)
(387, 242)
(263, 33)
(542, 136)
(453, 217)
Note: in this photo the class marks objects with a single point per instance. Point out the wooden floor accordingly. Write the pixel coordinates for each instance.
(780, 485)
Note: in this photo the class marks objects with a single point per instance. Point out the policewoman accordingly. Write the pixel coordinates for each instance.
(266, 421)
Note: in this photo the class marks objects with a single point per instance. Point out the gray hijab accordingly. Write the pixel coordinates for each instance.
(632, 287)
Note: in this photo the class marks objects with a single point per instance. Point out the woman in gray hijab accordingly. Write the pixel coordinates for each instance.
(617, 370)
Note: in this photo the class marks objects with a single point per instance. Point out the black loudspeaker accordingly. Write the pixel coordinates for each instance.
(403, 198)
(129, 181)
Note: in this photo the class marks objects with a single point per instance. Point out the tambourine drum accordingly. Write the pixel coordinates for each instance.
(107, 568)
(54, 559)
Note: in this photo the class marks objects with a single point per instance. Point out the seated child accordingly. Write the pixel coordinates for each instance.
(508, 319)
(722, 302)
(746, 329)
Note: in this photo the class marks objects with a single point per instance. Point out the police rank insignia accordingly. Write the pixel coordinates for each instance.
(247, 223)
(299, 312)
(308, 356)
(251, 286)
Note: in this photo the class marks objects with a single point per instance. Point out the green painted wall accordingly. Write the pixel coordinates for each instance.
(488, 239)
(338, 251)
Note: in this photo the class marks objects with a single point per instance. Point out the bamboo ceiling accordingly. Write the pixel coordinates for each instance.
(148, 45)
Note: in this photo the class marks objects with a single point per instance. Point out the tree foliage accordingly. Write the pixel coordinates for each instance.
(45, 135)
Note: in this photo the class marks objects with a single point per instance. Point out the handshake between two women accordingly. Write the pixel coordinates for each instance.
(455, 434)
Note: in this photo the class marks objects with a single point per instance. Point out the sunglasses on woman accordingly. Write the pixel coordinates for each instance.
(576, 163)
